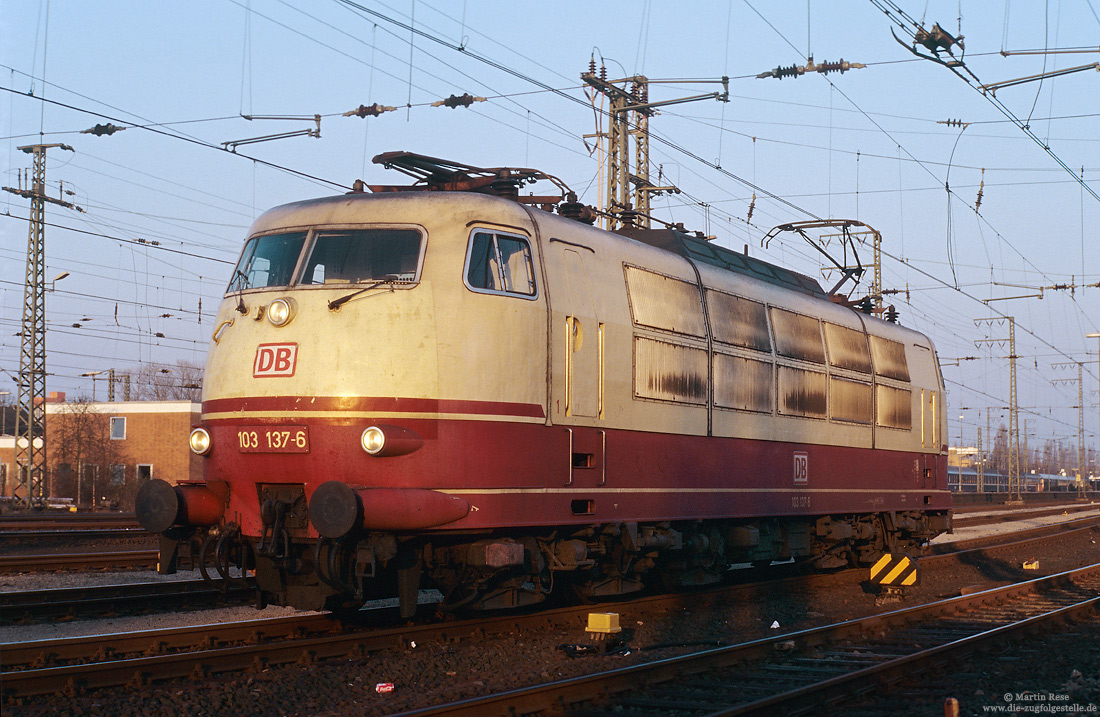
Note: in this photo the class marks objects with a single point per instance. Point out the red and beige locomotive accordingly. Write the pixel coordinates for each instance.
(461, 390)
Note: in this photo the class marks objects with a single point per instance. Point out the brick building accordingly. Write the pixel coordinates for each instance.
(102, 452)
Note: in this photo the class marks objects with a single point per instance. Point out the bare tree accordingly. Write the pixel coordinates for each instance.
(81, 451)
(181, 381)
(999, 454)
(7, 414)
(190, 380)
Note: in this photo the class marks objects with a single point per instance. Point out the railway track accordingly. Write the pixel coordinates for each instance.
(24, 607)
(122, 533)
(36, 668)
(146, 559)
(89, 602)
(92, 560)
(64, 522)
(22, 529)
(972, 518)
(804, 671)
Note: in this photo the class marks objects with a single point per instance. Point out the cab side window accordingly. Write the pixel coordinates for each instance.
(500, 264)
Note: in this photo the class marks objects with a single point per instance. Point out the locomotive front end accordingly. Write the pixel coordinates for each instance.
(323, 338)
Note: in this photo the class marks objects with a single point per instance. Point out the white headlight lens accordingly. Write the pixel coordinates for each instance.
(280, 312)
(200, 441)
(373, 440)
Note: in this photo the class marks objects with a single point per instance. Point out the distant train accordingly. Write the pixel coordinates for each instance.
(444, 385)
(965, 480)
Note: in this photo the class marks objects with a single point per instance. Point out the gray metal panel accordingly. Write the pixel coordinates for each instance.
(850, 401)
(847, 348)
(889, 357)
(661, 302)
(797, 336)
(801, 392)
(894, 407)
(669, 372)
(738, 322)
(743, 383)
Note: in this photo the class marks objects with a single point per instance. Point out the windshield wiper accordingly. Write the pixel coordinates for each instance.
(337, 303)
(241, 280)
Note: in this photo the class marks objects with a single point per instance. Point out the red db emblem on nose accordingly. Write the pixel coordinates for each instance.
(275, 360)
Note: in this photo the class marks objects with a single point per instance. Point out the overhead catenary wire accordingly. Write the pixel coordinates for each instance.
(709, 200)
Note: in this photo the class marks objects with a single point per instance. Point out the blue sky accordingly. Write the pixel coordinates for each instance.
(869, 144)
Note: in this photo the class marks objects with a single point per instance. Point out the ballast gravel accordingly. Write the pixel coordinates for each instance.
(1059, 663)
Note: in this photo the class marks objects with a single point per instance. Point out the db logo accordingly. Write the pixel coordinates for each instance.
(801, 467)
(275, 360)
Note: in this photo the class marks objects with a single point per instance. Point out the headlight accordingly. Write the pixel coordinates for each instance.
(200, 441)
(280, 312)
(373, 440)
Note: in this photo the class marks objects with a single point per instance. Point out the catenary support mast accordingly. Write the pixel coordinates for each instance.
(30, 442)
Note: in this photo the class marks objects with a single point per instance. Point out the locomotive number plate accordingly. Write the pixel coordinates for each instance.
(273, 439)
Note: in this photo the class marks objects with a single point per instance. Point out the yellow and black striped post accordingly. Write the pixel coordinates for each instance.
(895, 570)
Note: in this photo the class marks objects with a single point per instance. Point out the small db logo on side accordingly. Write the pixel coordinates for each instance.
(275, 360)
(801, 467)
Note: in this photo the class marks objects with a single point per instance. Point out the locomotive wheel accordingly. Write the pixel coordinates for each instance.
(607, 588)
(204, 552)
(458, 598)
(232, 550)
(581, 594)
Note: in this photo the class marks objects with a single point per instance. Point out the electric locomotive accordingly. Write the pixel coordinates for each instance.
(450, 385)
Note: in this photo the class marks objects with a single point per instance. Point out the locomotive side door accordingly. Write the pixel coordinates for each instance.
(579, 339)
(577, 362)
(930, 420)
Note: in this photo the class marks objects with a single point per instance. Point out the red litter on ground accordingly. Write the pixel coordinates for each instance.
(383, 687)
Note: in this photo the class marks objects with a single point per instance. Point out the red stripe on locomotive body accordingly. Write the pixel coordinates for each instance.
(522, 474)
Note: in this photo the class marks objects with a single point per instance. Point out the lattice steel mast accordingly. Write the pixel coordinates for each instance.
(1013, 408)
(30, 454)
(628, 116)
(1080, 483)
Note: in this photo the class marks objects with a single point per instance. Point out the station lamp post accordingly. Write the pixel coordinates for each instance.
(59, 277)
(92, 375)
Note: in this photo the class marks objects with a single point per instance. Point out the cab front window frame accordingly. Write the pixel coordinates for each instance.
(500, 263)
(376, 269)
(280, 263)
(256, 272)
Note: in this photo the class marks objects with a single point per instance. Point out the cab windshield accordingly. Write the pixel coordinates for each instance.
(362, 256)
(268, 261)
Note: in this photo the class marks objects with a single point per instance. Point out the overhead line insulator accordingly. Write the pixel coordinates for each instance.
(369, 111)
(781, 72)
(458, 101)
(822, 68)
(101, 129)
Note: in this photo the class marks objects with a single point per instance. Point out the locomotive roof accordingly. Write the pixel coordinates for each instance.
(341, 208)
(696, 249)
